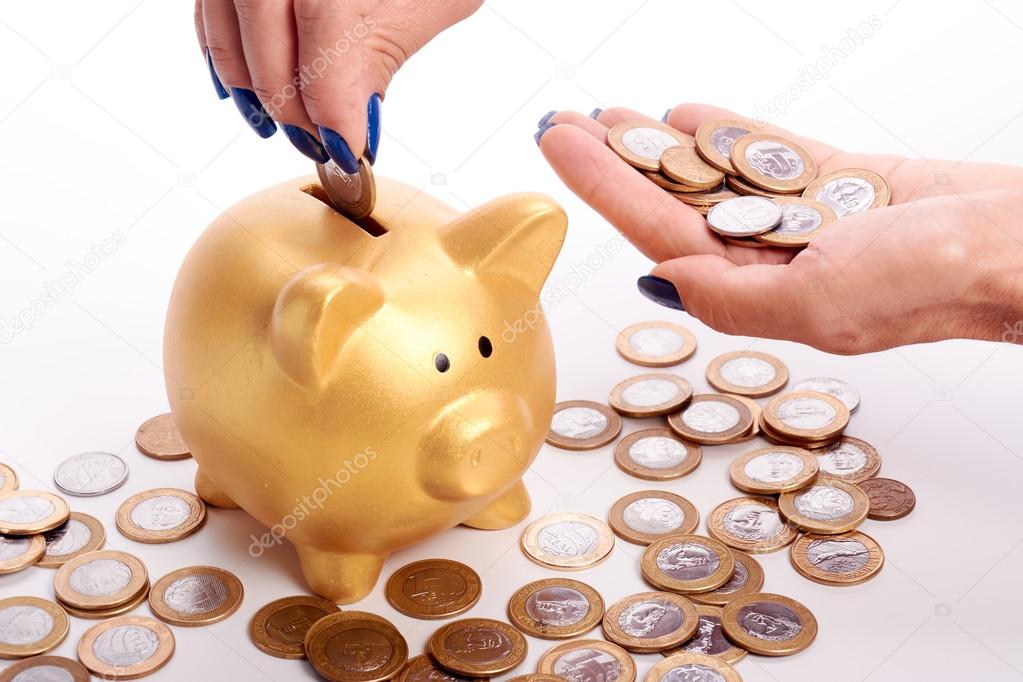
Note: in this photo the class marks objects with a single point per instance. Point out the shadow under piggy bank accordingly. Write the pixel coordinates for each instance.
(357, 387)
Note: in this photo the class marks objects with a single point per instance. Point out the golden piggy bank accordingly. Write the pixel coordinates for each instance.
(359, 387)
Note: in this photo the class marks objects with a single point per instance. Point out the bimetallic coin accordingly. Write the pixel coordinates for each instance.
(740, 186)
(159, 438)
(196, 595)
(423, 669)
(656, 455)
(650, 395)
(649, 515)
(801, 221)
(30, 512)
(30, 626)
(769, 624)
(641, 143)
(567, 541)
(845, 559)
(9, 479)
(845, 392)
(695, 667)
(79, 535)
(704, 201)
(747, 578)
(827, 507)
(433, 588)
(709, 638)
(89, 474)
(355, 646)
(17, 553)
(126, 647)
(806, 416)
(477, 647)
(774, 469)
(280, 627)
(588, 660)
(103, 614)
(850, 190)
(555, 608)
(352, 194)
(773, 162)
(889, 499)
(160, 515)
(100, 580)
(650, 621)
(664, 182)
(683, 164)
(850, 459)
(744, 216)
(536, 677)
(687, 563)
(45, 669)
(752, 524)
(655, 344)
(583, 425)
(714, 140)
(712, 419)
(747, 372)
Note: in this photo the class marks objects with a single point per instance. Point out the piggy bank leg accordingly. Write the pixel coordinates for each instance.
(210, 493)
(339, 577)
(505, 511)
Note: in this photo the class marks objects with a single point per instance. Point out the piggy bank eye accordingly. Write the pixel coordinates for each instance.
(441, 362)
(486, 348)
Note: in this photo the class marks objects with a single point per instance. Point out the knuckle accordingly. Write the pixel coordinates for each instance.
(229, 63)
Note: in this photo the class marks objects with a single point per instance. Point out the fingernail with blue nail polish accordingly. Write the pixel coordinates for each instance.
(543, 129)
(339, 150)
(222, 92)
(660, 291)
(254, 113)
(546, 118)
(595, 113)
(305, 143)
(664, 119)
(373, 128)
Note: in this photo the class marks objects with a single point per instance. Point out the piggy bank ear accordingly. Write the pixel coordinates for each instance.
(518, 236)
(315, 313)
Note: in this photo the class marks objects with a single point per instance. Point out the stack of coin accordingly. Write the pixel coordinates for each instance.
(805, 419)
(101, 584)
(717, 419)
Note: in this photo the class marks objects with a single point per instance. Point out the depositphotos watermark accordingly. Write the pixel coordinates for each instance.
(306, 505)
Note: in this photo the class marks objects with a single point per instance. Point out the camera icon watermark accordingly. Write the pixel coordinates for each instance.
(564, 71)
(61, 71)
(187, 179)
(438, 179)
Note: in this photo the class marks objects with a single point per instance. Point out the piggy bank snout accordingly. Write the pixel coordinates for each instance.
(476, 446)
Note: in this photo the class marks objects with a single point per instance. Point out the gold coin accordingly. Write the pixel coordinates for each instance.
(657, 455)
(41, 669)
(159, 438)
(740, 186)
(588, 659)
(649, 515)
(707, 199)
(747, 577)
(745, 242)
(747, 372)
(160, 515)
(555, 608)
(79, 535)
(775, 469)
(769, 624)
(478, 647)
(850, 190)
(126, 647)
(806, 416)
(423, 669)
(433, 588)
(352, 194)
(756, 411)
(8, 479)
(845, 559)
(583, 425)
(30, 512)
(785, 439)
(828, 507)
(772, 162)
(567, 541)
(655, 344)
(689, 666)
(712, 419)
(801, 221)
(650, 395)
(709, 639)
(34, 626)
(850, 459)
(536, 677)
(664, 182)
(752, 524)
(196, 595)
(684, 165)
(649, 622)
(279, 628)
(355, 646)
(100, 580)
(687, 563)
(103, 614)
(714, 141)
(641, 143)
(17, 553)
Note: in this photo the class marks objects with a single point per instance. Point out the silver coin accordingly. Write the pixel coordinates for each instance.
(568, 539)
(588, 665)
(798, 219)
(838, 555)
(44, 673)
(773, 467)
(806, 413)
(67, 539)
(650, 392)
(769, 621)
(843, 458)
(824, 503)
(774, 159)
(657, 452)
(161, 512)
(653, 515)
(91, 473)
(692, 672)
(196, 594)
(578, 422)
(100, 577)
(126, 645)
(748, 371)
(651, 618)
(25, 509)
(755, 522)
(724, 137)
(847, 195)
(558, 606)
(744, 216)
(656, 342)
(688, 561)
(709, 638)
(649, 143)
(710, 416)
(740, 576)
(24, 624)
(845, 392)
(13, 547)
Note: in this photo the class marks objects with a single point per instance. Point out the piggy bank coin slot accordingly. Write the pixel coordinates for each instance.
(367, 223)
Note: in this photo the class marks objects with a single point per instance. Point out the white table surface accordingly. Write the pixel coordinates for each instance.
(108, 125)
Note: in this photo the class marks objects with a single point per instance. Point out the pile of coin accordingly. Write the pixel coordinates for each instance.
(756, 188)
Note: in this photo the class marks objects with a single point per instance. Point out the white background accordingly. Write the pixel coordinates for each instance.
(108, 123)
